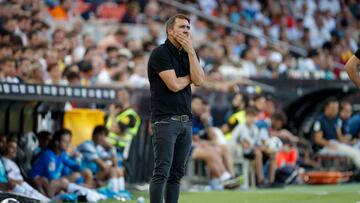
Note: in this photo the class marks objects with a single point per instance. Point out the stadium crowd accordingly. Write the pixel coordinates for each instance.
(33, 50)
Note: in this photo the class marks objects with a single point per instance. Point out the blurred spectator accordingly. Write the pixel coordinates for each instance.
(278, 123)
(116, 39)
(55, 76)
(345, 113)
(123, 124)
(44, 138)
(8, 70)
(100, 157)
(14, 175)
(51, 162)
(204, 141)
(236, 115)
(132, 14)
(62, 11)
(327, 135)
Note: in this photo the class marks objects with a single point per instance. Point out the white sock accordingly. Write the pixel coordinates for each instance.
(121, 182)
(225, 176)
(91, 195)
(114, 184)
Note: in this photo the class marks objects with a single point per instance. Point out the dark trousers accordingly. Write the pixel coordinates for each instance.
(171, 142)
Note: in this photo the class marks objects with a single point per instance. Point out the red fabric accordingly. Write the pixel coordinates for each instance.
(286, 158)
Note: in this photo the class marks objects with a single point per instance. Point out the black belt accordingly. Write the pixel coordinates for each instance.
(181, 118)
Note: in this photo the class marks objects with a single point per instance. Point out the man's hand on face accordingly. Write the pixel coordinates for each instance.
(185, 42)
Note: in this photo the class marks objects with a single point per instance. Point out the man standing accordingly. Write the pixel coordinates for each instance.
(351, 68)
(172, 67)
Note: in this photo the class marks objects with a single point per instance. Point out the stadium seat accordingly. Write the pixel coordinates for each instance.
(81, 122)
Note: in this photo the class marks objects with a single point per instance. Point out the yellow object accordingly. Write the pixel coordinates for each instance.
(235, 119)
(82, 122)
(123, 117)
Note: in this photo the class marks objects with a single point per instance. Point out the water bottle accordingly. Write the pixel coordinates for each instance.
(141, 199)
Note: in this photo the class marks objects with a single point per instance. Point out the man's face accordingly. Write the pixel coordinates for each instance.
(346, 112)
(237, 101)
(332, 109)
(102, 139)
(260, 103)
(64, 143)
(180, 26)
(11, 150)
(9, 69)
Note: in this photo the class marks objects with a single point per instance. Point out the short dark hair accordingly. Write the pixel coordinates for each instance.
(280, 116)
(258, 96)
(6, 60)
(343, 104)
(42, 134)
(251, 111)
(100, 129)
(71, 75)
(171, 21)
(330, 100)
(111, 48)
(57, 137)
(196, 96)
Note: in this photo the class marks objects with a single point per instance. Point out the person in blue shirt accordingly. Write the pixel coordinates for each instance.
(327, 135)
(51, 163)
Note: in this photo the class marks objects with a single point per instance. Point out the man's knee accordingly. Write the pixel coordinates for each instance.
(176, 175)
(87, 173)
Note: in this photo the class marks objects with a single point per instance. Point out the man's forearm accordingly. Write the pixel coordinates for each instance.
(197, 74)
(352, 70)
(183, 82)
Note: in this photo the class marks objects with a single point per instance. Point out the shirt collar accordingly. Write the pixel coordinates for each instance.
(171, 47)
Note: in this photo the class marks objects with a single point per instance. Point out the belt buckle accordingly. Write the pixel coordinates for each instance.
(184, 118)
(175, 118)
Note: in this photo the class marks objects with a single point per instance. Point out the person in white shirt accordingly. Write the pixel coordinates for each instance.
(14, 174)
(256, 146)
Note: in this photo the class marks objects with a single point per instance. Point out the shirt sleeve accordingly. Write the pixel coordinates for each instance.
(317, 126)
(88, 151)
(357, 54)
(232, 122)
(71, 163)
(127, 122)
(160, 60)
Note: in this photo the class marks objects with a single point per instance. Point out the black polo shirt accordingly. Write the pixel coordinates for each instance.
(357, 54)
(164, 102)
